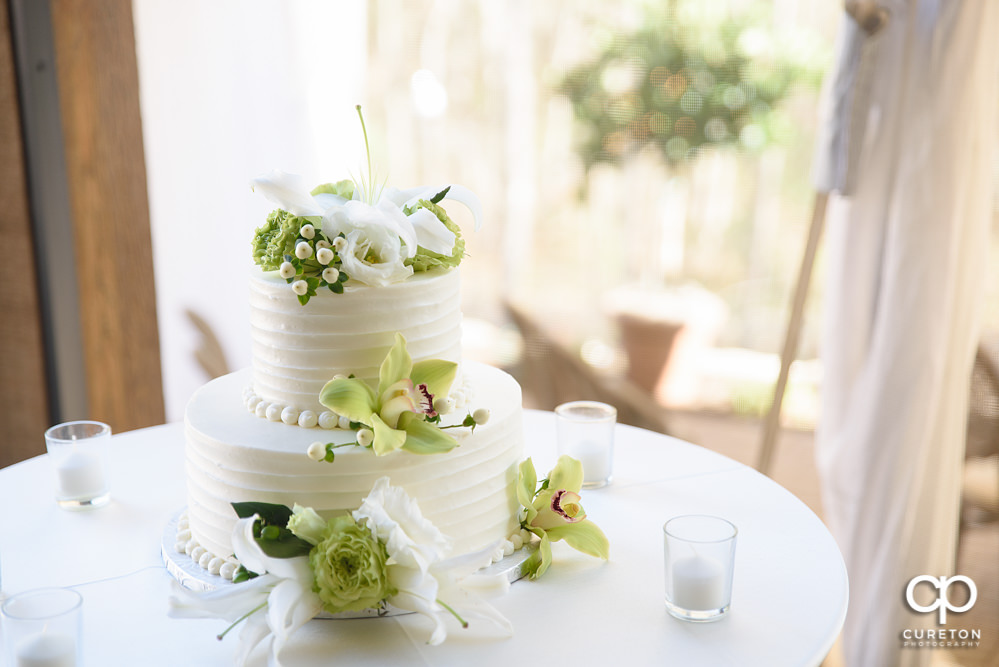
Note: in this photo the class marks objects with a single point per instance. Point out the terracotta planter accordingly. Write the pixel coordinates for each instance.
(649, 345)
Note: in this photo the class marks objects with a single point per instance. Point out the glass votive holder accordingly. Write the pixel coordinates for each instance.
(42, 628)
(699, 560)
(586, 433)
(79, 452)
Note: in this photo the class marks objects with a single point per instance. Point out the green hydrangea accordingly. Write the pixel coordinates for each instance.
(276, 238)
(424, 260)
(349, 567)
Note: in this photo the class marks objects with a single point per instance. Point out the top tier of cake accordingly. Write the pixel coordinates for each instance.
(297, 350)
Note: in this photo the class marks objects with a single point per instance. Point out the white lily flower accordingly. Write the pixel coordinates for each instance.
(431, 232)
(426, 583)
(458, 193)
(290, 192)
(284, 588)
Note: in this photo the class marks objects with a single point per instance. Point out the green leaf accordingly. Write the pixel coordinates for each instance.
(584, 536)
(437, 374)
(387, 439)
(437, 198)
(567, 474)
(527, 480)
(396, 366)
(350, 397)
(285, 545)
(423, 437)
(272, 514)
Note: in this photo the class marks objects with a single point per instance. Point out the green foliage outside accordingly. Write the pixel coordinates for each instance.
(695, 74)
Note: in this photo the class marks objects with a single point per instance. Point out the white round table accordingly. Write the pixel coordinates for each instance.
(788, 603)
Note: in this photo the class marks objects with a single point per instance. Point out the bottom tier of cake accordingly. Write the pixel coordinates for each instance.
(468, 493)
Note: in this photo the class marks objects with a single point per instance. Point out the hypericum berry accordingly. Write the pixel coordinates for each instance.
(303, 250)
(324, 256)
(481, 416)
(287, 270)
(322, 243)
(317, 451)
(330, 275)
(307, 231)
(300, 287)
(339, 243)
(365, 437)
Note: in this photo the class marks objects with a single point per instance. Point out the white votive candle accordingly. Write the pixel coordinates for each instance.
(698, 584)
(595, 458)
(46, 649)
(80, 475)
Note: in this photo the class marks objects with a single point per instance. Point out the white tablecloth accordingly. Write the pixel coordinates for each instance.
(788, 603)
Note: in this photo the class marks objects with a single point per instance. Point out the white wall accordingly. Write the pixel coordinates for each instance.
(231, 89)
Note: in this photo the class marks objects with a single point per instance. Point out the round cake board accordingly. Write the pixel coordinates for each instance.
(192, 576)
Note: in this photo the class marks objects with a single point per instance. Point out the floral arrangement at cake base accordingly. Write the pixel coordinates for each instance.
(295, 564)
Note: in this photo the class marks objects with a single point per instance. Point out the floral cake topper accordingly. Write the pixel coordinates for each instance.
(356, 230)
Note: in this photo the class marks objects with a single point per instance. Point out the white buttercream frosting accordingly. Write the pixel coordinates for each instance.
(298, 349)
(469, 493)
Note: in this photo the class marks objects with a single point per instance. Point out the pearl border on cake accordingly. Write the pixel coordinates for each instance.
(328, 420)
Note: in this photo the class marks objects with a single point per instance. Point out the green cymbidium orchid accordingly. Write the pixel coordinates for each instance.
(553, 513)
(396, 412)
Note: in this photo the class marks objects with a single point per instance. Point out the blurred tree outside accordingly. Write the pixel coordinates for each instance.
(687, 124)
(694, 75)
(694, 79)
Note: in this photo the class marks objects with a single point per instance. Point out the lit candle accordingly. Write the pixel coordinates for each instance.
(698, 584)
(46, 649)
(80, 475)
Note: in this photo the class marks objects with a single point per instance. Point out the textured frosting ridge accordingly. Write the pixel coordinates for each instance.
(296, 349)
(469, 493)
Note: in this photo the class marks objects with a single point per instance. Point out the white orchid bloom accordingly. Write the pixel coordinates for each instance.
(426, 583)
(284, 589)
(290, 192)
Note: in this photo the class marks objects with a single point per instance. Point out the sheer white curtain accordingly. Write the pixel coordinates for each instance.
(907, 259)
(231, 89)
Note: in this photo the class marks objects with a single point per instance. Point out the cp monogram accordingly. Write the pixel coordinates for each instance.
(942, 602)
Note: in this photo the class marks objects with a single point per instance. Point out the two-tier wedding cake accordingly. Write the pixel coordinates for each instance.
(346, 284)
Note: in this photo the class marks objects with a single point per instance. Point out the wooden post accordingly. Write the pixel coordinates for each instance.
(98, 83)
(771, 424)
(23, 394)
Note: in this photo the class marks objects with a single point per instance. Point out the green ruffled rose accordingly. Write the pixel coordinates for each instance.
(349, 567)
